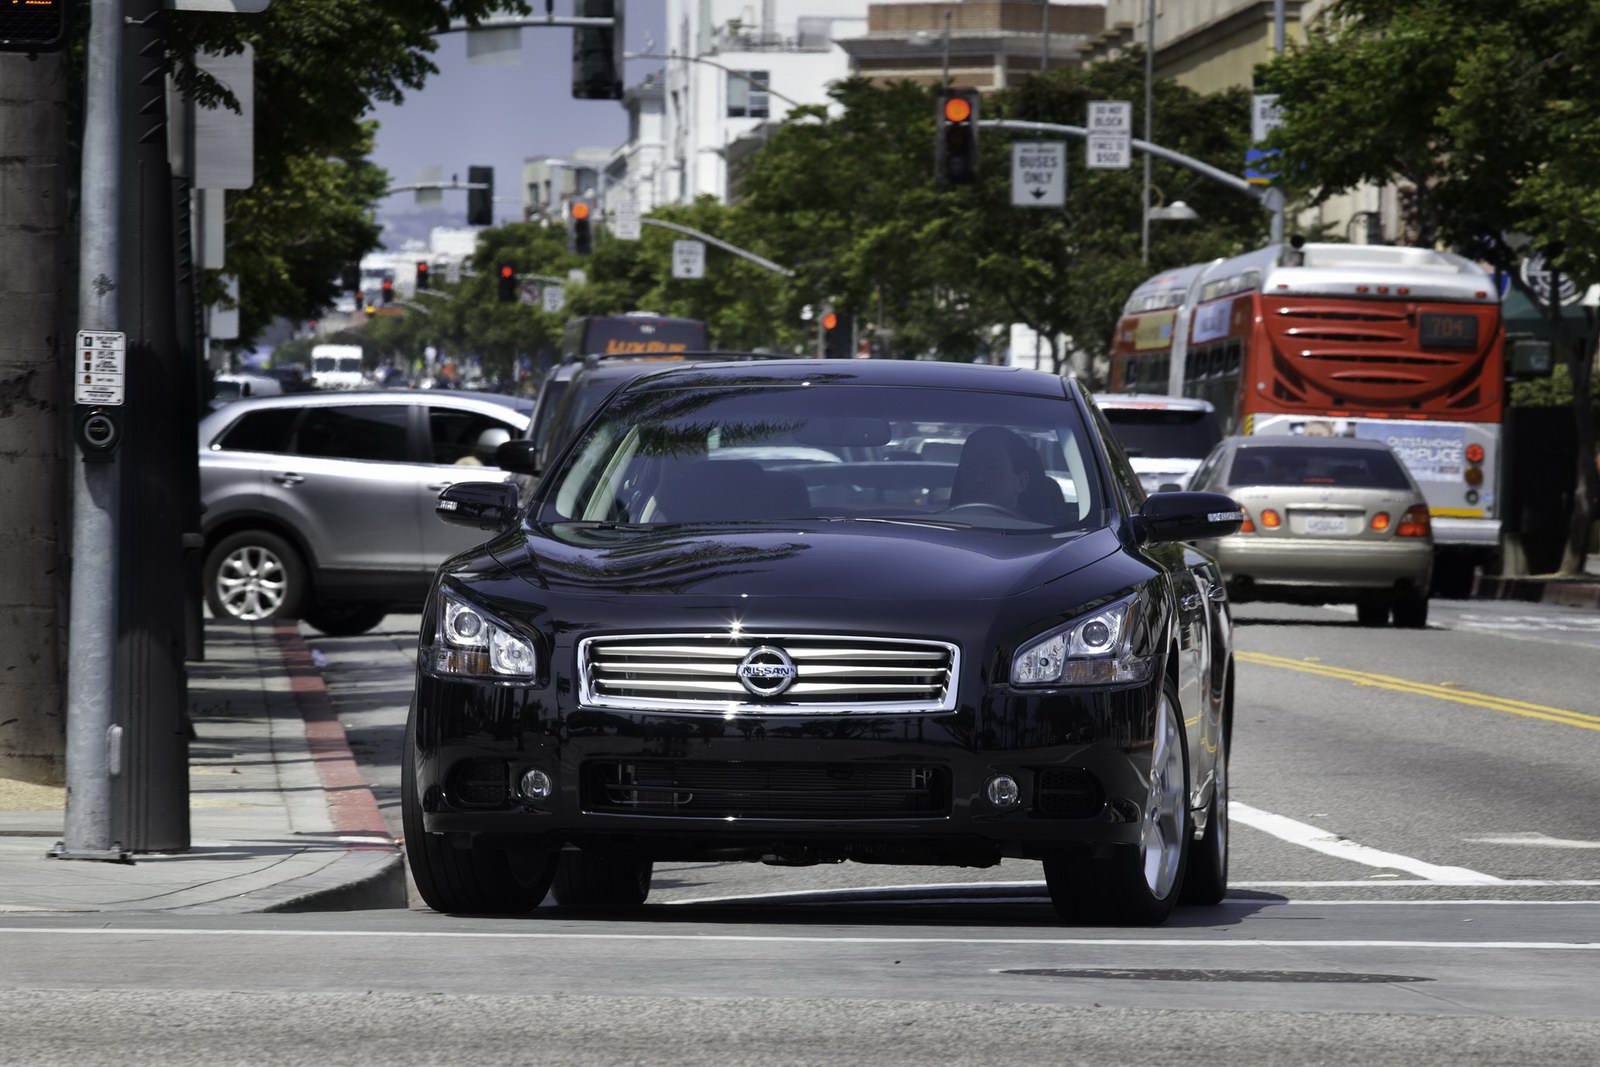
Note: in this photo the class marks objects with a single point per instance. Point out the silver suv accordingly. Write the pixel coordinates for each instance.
(321, 506)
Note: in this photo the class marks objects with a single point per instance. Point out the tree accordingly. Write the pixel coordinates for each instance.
(1488, 115)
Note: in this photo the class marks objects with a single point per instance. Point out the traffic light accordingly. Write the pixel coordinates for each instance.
(955, 149)
(388, 290)
(837, 329)
(508, 284)
(597, 53)
(580, 228)
(422, 276)
(33, 26)
(480, 202)
(350, 279)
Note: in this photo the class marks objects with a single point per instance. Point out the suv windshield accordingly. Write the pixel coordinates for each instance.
(1164, 433)
(1365, 468)
(784, 453)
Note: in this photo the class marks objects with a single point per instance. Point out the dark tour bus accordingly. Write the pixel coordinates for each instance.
(636, 333)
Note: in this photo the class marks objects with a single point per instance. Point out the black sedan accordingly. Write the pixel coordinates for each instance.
(745, 618)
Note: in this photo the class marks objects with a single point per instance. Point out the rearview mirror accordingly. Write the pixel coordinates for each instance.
(481, 505)
(518, 457)
(1169, 517)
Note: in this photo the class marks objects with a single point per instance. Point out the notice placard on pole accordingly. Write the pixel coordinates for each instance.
(1109, 152)
(1038, 174)
(625, 225)
(688, 259)
(98, 378)
(1110, 138)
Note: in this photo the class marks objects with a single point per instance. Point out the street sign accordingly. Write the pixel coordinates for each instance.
(224, 140)
(625, 225)
(102, 361)
(1111, 117)
(555, 298)
(1264, 115)
(452, 271)
(688, 259)
(1109, 152)
(1038, 174)
(1536, 273)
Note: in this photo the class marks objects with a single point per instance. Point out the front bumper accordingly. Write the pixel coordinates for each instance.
(786, 788)
(1257, 561)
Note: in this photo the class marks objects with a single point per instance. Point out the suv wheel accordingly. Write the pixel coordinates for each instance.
(590, 880)
(1411, 611)
(1137, 885)
(1205, 880)
(254, 576)
(473, 881)
(345, 620)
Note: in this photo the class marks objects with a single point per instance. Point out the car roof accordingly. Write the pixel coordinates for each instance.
(933, 374)
(1300, 441)
(488, 403)
(1107, 401)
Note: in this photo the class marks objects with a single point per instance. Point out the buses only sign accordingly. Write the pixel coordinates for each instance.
(1038, 174)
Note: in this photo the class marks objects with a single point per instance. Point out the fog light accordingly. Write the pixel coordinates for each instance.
(536, 785)
(1002, 791)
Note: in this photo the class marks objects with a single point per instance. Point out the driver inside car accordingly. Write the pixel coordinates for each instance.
(999, 468)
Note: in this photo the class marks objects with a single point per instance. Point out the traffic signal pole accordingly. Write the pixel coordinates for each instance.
(94, 742)
(742, 253)
(1269, 198)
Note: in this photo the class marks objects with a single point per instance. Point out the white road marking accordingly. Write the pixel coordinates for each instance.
(1254, 902)
(1370, 883)
(1329, 843)
(783, 939)
(1532, 839)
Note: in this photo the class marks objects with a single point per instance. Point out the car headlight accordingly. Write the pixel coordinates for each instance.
(1097, 649)
(472, 642)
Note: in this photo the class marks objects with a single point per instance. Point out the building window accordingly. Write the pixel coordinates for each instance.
(747, 94)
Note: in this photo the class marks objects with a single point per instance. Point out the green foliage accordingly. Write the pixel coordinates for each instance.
(845, 197)
(1554, 391)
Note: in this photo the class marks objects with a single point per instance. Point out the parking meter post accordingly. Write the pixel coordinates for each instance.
(93, 741)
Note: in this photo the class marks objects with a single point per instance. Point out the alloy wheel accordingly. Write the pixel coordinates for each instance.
(251, 583)
(1166, 808)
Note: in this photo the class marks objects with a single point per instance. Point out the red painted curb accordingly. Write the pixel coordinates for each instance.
(351, 805)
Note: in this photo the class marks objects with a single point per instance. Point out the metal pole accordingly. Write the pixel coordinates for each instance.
(1149, 113)
(94, 740)
(1278, 18)
(946, 48)
(1044, 29)
(724, 245)
(1232, 181)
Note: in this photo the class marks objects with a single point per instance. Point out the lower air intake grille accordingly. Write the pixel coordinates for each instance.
(479, 783)
(824, 791)
(1068, 793)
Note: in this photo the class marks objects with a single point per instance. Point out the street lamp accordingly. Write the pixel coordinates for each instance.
(1177, 211)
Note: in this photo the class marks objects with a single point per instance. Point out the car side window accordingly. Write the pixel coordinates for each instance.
(370, 432)
(1121, 469)
(458, 437)
(261, 431)
(1208, 469)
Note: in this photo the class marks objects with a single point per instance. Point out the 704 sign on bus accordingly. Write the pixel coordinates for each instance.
(33, 25)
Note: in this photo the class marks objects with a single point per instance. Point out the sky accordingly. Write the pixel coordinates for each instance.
(469, 114)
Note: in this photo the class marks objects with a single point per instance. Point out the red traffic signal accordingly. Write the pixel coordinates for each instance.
(580, 210)
(388, 291)
(829, 321)
(955, 149)
(422, 275)
(957, 109)
(508, 284)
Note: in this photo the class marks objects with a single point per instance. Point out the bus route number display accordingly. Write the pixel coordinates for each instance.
(1448, 331)
(33, 25)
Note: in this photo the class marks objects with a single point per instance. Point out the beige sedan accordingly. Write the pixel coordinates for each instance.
(1328, 520)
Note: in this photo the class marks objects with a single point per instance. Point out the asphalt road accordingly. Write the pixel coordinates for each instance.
(1416, 874)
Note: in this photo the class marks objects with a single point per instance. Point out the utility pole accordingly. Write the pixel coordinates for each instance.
(1149, 119)
(36, 322)
(1278, 32)
(1044, 30)
(946, 82)
(94, 737)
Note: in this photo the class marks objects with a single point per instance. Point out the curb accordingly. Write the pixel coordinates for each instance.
(371, 874)
(1567, 592)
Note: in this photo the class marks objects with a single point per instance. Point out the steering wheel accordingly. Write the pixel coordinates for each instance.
(986, 506)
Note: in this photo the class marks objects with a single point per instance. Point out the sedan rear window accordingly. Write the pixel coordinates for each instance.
(1343, 467)
(1163, 433)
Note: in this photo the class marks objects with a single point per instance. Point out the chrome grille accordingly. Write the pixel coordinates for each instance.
(831, 674)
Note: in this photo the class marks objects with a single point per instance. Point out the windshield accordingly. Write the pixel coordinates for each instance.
(1343, 467)
(1164, 433)
(786, 453)
(351, 364)
(322, 364)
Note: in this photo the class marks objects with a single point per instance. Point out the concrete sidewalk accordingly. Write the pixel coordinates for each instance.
(280, 818)
(1579, 591)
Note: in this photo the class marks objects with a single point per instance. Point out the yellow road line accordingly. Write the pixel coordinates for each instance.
(1508, 706)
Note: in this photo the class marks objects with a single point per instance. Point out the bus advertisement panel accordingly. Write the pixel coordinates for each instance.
(1402, 345)
(633, 334)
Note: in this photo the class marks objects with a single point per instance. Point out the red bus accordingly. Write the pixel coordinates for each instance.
(1403, 345)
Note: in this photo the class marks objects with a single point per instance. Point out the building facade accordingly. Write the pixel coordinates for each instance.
(548, 182)
(636, 173)
(972, 44)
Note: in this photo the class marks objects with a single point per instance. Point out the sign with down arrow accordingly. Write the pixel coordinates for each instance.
(1038, 174)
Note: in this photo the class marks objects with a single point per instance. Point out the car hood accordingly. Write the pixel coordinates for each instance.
(851, 560)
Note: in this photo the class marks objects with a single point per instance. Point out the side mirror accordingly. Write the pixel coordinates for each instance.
(480, 505)
(518, 457)
(1183, 516)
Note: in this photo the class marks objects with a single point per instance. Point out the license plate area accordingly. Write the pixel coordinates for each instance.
(1323, 524)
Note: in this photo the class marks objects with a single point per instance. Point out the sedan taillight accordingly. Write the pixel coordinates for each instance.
(1415, 523)
(1246, 526)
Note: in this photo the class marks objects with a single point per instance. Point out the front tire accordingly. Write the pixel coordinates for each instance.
(1205, 879)
(471, 881)
(1137, 885)
(254, 576)
(591, 880)
(1411, 611)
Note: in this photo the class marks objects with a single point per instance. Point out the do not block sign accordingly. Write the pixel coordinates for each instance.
(1038, 174)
